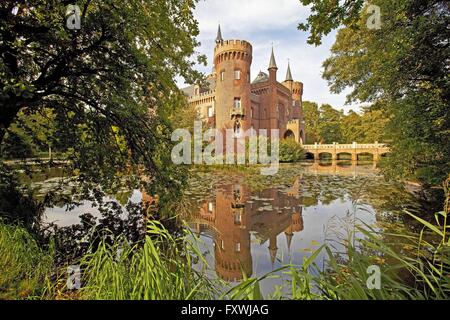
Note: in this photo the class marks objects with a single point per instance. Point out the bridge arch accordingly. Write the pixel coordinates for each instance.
(344, 156)
(325, 155)
(289, 134)
(309, 155)
(365, 156)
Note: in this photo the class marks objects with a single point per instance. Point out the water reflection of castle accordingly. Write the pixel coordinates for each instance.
(234, 214)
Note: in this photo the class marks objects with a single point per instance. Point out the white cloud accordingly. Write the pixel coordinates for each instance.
(263, 22)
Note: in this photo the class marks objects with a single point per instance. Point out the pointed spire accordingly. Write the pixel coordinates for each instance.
(219, 38)
(273, 249)
(289, 236)
(272, 64)
(288, 73)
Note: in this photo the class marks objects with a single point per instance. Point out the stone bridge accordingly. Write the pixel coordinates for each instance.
(337, 150)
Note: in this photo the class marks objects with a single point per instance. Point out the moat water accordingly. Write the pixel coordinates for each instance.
(249, 225)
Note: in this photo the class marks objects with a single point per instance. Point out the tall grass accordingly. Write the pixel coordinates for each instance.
(160, 269)
(25, 268)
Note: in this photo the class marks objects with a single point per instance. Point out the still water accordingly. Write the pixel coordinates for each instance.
(249, 225)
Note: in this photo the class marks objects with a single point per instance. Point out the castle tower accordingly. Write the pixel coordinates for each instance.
(232, 249)
(232, 62)
(296, 87)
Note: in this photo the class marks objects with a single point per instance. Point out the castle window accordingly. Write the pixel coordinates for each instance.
(278, 112)
(251, 113)
(210, 206)
(237, 103)
(248, 77)
(237, 247)
(210, 112)
(237, 129)
(237, 74)
(222, 76)
(222, 245)
(237, 218)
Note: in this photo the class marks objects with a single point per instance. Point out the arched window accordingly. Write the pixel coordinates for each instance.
(237, 129)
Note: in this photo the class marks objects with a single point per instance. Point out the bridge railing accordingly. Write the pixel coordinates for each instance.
(346, 146)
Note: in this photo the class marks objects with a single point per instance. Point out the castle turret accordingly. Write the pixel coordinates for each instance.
(272, 68)
(289, 74)
(219, 38)
(232, 61)
(296, 87)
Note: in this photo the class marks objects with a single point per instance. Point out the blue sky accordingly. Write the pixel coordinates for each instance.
(262, 22)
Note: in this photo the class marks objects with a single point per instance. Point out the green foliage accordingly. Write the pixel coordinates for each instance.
(327, 125)
(17, 205)
(110, 84)
(30, 134)
(25, 267)
(327, 15)
(162, 269)
(311, 115)
(291, 151)
(403, 70)
(330, 124)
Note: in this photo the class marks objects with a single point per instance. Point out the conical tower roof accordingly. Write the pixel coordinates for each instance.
(288, 73)
(219, 35)
(289, 236)
(272, 63)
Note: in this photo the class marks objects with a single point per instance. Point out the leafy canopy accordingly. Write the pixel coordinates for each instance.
(111, 83)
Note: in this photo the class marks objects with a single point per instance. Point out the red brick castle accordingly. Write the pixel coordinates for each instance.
(232, 101)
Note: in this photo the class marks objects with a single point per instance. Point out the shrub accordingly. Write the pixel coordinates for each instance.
(291, 151)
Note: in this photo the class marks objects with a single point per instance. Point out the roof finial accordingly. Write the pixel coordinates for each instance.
(219, 38)
(272, 64)
(288, 73)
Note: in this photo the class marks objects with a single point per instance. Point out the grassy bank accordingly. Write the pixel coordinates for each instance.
(25, 267)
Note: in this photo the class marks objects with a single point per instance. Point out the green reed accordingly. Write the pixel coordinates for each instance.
(25, 268)
(159, 269)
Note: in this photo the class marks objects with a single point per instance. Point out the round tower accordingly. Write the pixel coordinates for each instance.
(297, 90)
(232, 62)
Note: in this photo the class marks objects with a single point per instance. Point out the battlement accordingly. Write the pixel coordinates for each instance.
(233, 50)
(232, 45)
